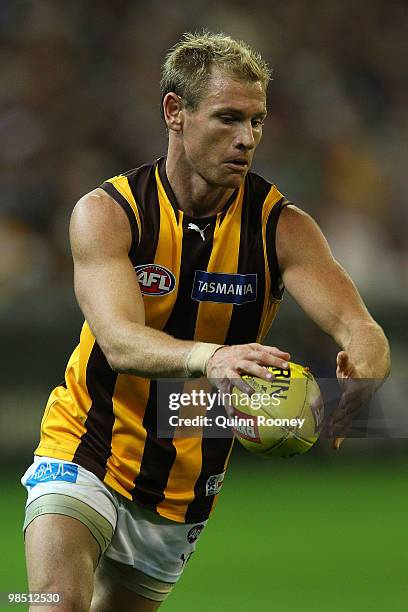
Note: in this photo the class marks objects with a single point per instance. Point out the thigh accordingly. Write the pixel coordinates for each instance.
(61, 556)
(111, 593)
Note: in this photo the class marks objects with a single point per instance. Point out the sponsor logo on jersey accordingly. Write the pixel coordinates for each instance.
(155, 280)
(194, 533)
(225, 288)
(48, 471)
(246, 426)
(214, 484)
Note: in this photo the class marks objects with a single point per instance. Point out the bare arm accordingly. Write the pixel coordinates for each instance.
(328, 295)
(109, 295)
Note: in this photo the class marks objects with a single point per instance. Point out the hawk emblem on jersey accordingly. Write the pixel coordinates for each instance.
(225, 288)
(195, 227)
(155, 280)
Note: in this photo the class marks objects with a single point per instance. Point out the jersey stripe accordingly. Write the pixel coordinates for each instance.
(95, 446)
(180, 490)
(195, 256)
(214, 318)
(214, 453)
(121, 184)
(129, 434)
(246, 318)
(273, 265)
(273, 294)
(158, 457)
(119, 189)
(143, 189)
(117, 196)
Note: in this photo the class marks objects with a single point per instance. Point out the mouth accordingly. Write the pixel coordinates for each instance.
(239, 165)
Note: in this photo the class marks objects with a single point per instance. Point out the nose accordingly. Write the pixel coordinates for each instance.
(245, 138)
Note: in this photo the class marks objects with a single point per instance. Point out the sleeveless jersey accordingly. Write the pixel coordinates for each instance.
(212, 280)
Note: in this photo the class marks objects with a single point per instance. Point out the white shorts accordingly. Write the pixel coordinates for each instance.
(141, 539)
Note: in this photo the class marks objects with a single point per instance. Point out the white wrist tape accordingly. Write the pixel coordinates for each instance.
(196, 360)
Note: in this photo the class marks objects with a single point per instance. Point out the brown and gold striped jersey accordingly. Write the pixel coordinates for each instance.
(212, 279)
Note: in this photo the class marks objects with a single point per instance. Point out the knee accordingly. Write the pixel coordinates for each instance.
(70, 601)
(72, 604)
(75, 591)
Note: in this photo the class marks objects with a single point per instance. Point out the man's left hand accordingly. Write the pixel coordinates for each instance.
(356, 391)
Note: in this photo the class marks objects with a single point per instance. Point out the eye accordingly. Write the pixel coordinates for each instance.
(227, 119)
(257, 122)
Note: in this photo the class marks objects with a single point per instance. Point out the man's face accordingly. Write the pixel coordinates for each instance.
(221, 135)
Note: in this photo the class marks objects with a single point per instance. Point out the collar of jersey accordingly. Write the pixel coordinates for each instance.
(161, 169)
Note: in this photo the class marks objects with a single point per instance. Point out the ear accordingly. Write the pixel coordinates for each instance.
(173, 111)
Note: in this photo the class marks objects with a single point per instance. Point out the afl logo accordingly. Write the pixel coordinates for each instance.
(194, 533)
(155, 280)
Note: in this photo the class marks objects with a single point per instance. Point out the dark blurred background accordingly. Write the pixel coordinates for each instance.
(79, 103)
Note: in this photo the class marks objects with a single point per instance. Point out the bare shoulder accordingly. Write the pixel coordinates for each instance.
(294, 221)
(98, 221)
(298, 234)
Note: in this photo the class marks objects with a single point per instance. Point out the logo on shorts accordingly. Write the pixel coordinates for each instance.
(194, 533)
(214, 484)
(51, 472)
(155, 280)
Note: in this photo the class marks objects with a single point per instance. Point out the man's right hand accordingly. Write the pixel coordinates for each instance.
(227, 365)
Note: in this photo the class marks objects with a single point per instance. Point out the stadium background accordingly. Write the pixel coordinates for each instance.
(79, 103)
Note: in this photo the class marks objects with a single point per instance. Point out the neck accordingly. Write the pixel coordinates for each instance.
(195, 197)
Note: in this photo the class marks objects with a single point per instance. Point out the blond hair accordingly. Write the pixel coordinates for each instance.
(188, 63)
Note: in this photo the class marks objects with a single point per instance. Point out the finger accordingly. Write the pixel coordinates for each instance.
(340, 419)
(341, 411)
(272, 361)
(229, 408)
(253, 368)
(337, 442)
(273, 350)
(342, 362)
(340, 429)
(345, 367)
(264, 358)
(350, 404)
(342, 358)
(226, 389)
(241, 384)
